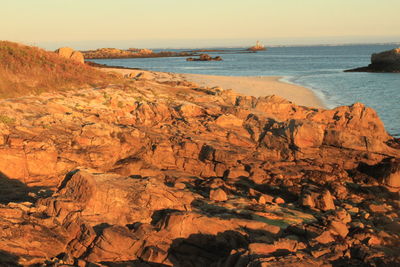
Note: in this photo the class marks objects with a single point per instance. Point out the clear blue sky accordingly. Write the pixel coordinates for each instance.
(190, 23)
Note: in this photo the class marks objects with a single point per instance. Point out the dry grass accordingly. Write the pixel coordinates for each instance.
(28, 70)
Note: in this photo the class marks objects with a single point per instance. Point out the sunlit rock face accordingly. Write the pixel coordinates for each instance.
(160, 171)
(69, 53)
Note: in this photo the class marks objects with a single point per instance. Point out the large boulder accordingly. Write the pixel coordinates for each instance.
(114, 199)
(69, 53)
(387, 58)
(65, 52)
(386, 61)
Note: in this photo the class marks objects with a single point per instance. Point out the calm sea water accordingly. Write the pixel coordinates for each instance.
(319, 68)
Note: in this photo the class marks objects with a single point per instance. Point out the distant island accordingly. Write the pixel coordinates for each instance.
(108, 53)
(205, 57)
(257, 47)
(112, 53)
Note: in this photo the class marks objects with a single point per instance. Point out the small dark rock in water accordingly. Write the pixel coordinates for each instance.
(205, 57)
(387, 61)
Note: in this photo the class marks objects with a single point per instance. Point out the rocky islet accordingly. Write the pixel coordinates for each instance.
(386, 61)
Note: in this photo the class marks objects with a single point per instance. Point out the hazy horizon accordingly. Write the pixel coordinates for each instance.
(191, 24)
(205, 43)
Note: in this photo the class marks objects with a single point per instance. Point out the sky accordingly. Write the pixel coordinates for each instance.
(85, 24)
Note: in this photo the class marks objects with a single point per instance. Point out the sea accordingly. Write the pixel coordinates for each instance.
(319, 68)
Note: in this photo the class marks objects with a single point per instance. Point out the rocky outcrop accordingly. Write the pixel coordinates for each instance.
(69, 53)
(160, 171)
(205, 57)
(112, 199)
(387, 61)
(130, 53)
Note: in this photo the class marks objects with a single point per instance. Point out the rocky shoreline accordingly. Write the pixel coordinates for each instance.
(161, 172)
(113, 53)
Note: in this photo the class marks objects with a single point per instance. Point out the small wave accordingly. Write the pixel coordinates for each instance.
(318, 92)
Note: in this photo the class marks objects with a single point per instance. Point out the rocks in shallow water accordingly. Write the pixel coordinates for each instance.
(387, 61)
(205, 57)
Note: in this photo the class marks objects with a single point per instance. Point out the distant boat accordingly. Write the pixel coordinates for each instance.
(257, 47)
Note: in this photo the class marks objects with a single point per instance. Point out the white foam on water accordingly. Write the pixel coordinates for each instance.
(318, 92)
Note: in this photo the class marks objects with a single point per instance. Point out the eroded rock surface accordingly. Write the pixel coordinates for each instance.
(160, 171)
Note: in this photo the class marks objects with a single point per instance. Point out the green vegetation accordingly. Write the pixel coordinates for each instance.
(29, 70)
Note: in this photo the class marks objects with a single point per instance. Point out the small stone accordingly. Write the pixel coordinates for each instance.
(81, 263)
(307, 201)
(357, 225)
(262, 200)
(374, 241)
(320, 252)
(325, 201)
(365, 215)
(279, 200)
(325, 238)
(340, 228)
(218, 195)
(180, 185)
(379, 208)
(343, 216)
(393, 176)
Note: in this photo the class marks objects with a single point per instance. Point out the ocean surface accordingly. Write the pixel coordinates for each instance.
(319, 68)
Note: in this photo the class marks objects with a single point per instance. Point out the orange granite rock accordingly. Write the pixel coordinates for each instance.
(141, 173)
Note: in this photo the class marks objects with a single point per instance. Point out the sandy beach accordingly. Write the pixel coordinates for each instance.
(260, 86)
(247, 85)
